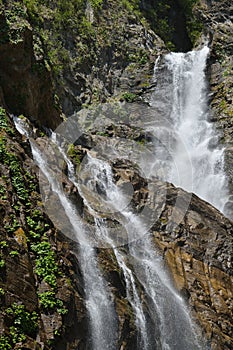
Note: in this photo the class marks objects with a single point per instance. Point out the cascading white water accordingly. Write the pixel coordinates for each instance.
(176, 328)
(99, 301)
(196, 162)
(131, 289)
(167, 308)
(99, 175)
(188, 115)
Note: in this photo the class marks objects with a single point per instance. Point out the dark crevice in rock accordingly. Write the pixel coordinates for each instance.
(169, 21)
(177, 19)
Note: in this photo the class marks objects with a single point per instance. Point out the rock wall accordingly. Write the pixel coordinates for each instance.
(197, 254)
(195, 244)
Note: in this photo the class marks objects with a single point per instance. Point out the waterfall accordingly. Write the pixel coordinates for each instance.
(185, 154)
(99, 301)
(131, 288)
(174, 326)
(146, 281)
(98, 174)
(194, 161)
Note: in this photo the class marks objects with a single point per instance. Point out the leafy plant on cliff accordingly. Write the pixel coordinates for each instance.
(15, 22)
(22, 324)
(49, 302)
(10, 160)
(26, 322)
(27, 223)
(96, 4)
(2, 262)
(129, 96)
(5, 343)
(46, 266)
(4, 124)
(55, 22)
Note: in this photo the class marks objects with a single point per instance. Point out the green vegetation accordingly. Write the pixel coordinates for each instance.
(3, 193)
(4, 124)
(131, 6)
(65, 20)
(12, 225)
(17, 177)
(74, 154)
(194, 26)
(49, 302)
(26, 322)
(10, 159)
(14, 253)
(2, 262)
(23, 324)
(46, 266)
(96, 4)
(71, 37)
(5, 343)
(3, 244)
(129, 96)
(14, 23)
(140, 57)
(37, 227)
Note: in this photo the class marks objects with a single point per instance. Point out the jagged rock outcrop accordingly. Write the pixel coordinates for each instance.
(197, 255)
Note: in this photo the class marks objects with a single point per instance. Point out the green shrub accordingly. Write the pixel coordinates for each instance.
(4, 124)
(14, 253)
(24, 322)
(129, 96)
(46, 266)
(5, 343)
(49, 302)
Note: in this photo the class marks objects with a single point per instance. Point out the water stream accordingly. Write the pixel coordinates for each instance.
(192, 157)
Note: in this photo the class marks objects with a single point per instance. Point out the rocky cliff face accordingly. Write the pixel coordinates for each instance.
(112, 60)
